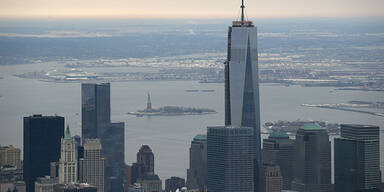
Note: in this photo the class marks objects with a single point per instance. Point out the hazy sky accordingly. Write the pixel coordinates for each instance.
(189, 8)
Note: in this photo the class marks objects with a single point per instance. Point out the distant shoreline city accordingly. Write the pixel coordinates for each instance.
(343, 79)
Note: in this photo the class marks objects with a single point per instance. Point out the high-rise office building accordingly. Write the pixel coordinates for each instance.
(68, 159)
(197, 172)
(143, 171)
(96, 123)
(312, 159)
(92, 166)
(42, 136)
(95, 109)
(278, 149)
(272, 180)
(146, 160)
(113, 152)
(230, 159)
(9, 155)
(357, 158)
(242, 103)
(174, 183)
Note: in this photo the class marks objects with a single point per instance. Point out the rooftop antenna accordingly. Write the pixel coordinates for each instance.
(242, 10)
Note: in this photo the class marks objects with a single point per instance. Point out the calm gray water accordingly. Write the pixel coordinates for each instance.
(169, 137)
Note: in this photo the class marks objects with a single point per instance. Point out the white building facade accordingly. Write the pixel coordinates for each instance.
(68, 159)
(93, 164)
(45, 184)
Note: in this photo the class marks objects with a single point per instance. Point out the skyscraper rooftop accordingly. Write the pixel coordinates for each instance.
(279, 135)
(312, 127)
(145, 148)
(200, 137)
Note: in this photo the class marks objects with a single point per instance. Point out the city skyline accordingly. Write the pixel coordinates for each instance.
(336, 90)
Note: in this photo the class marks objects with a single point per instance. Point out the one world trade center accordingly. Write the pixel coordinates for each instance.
(242, 105)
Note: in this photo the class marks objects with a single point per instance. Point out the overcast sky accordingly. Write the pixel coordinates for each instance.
(190, 8)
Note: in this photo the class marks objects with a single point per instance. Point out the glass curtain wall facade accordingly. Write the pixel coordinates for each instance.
(95, 110)
(357, 158)
(312, 160)
(42, 141)
(279, 149)
(230, 159)
(197, 172)
(242, 105)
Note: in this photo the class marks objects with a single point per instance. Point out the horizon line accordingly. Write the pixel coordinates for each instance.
(110, 17)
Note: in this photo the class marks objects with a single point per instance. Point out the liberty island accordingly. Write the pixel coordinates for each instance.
(170, 110)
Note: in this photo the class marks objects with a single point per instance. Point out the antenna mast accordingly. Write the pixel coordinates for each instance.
(242, 10)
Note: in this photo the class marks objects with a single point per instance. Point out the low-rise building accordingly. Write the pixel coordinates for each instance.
(174, 183)
(45, 184)
(10, 174)
(18, 186)
(9, 155)
(76, 187)
(136, 187)
(150, 183)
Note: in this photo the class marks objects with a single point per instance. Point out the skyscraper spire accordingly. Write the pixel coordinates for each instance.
(242, 10)
(68, 159)
(243, 21)
(67, 133)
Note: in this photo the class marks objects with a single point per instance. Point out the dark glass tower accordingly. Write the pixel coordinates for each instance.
(230, 159)
(278, 149)
(95, 109)
(96, 123)
(42, 137)
(357, 158)
(242, 105)
(197, 172)
(312, 160)
(113, 150)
